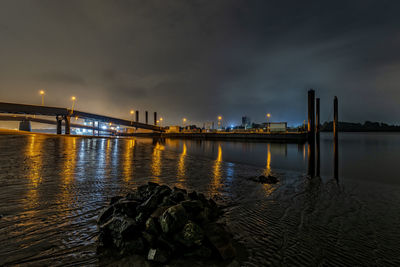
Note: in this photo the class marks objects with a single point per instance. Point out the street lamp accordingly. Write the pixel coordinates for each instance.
(41, 92)
(133, 116)
(73, 103)
(268, 126)
(161, 119)
(184, 121)
(220, 122)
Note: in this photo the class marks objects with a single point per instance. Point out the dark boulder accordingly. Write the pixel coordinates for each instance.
(134, 246)
(152, 226)
(126, 207)
(160, 224)
(193, 195)
(134, 195)
(177, 196)
(173, 219)
(192, 206)
(115, 199)
(191, 235)
(158, 255)
(105, 215)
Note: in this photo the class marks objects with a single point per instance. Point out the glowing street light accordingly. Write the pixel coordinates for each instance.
(73, 103)
(41, 92)
(220, 122)
(184, 121)
(133, 116)
(268, 126)
(161, 119)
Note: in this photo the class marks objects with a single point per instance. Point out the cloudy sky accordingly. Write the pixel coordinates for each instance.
(201, 59)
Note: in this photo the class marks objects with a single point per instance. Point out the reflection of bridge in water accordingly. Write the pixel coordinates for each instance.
(63, 118)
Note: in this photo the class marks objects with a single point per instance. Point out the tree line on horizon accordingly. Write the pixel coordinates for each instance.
(367, 126)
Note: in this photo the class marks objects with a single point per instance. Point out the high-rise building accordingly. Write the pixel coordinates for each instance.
(246, 122)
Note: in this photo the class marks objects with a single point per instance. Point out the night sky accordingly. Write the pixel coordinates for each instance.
(201, 59)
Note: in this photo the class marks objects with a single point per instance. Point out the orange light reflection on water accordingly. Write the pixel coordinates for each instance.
(269, 189)
(181, 175)
(34, 165)
(217, 172)
(156, 162)
(128, 160)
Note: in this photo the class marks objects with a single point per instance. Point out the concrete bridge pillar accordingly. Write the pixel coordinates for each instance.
(25, 125)
(59, 124)
(67, 120)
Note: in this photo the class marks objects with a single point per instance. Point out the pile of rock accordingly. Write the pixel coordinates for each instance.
(163, 223)
(269, 179)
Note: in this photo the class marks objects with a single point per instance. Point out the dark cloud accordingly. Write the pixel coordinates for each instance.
(63, 78)
(199, 59)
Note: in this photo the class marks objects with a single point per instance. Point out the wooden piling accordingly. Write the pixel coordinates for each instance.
(317, 137)
(311, 132)
(336, 137)
(147, 117)
(155, 118)
(67, 126)
(59, 124)
(311, 112)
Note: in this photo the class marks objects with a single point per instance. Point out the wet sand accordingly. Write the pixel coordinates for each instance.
(52, 189)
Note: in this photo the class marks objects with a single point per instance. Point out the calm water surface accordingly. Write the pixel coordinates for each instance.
(52, 189)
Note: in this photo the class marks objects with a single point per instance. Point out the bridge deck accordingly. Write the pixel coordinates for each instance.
(14, 108)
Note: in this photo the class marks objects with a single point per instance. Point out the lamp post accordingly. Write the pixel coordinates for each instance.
(268, 116)
(220, 122)
(161, 119)
(133, 116)
(73, 103)
(41, 92)
(184, 121)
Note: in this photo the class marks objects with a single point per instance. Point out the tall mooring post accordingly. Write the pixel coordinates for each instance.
(155, 118)
(137, 115)
(317, 131)
(311, 132)
(311, 113)
(67, 120)
(147, 117)
(336, 137)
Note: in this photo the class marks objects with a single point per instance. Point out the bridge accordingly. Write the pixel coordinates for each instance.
(63, 117)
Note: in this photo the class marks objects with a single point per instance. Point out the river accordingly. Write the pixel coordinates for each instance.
(53, 188)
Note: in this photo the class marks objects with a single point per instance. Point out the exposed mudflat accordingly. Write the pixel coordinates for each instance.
(52, 190)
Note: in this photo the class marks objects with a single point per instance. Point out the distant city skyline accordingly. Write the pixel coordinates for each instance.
(200, 60)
